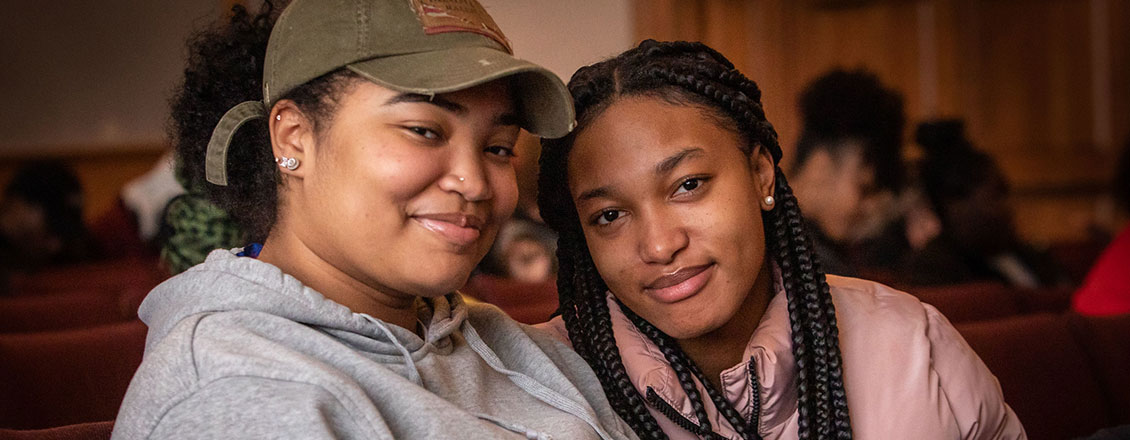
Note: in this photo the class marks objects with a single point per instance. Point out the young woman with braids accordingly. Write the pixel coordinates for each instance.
(373, 161)
(689, 284)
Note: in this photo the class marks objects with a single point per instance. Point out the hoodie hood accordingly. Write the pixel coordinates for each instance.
(226, 282)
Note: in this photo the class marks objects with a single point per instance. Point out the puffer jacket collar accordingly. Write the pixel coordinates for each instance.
(770, 349)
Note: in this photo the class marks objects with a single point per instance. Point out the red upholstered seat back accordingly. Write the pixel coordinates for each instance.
(65, 310)
(969, 302)
(143, 273)
(529, 303)
(80, 431)
(65, 377)
(1046, 375)
(1107, 341)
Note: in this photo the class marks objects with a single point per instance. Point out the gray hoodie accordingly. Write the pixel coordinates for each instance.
(238, 349)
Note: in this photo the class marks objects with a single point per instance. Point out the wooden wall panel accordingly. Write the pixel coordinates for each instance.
(1119, 53)
(1027, 75)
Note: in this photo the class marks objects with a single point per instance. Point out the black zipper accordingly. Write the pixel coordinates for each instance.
(675, 416)
(754, 422)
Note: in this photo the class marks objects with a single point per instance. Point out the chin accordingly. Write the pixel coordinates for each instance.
(441, 278)
(687, 324)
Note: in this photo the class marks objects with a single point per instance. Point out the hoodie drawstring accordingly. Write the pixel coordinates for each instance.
(528, 384)
(413, 372)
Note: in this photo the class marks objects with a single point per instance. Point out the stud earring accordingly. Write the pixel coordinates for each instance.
(290, 163)
(769, 200)
(278, 117)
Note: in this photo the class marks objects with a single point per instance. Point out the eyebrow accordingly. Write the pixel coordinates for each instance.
(666, 165)
(433, 100)
(663, 167)
(508, 118)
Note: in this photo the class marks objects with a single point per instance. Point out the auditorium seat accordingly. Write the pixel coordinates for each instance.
(58, 378)
(80, 431)
(969, 302)
(117, 274)
(529, 303)
(1044, 299)
(1047, 377)
(67, 310)
(1106, 339)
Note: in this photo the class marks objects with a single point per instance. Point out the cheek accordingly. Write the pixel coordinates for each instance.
(504, 187)
(372, 186)
(613, 260)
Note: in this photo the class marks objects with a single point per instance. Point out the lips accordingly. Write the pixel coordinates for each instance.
(456, 228)
(681, 284)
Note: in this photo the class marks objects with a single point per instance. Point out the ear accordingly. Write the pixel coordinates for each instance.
(765, 176)
(292, 136)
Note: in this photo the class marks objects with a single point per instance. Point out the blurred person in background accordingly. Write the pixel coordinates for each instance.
(978, 239)
(1106, 290)
(523, 252)
(41, 221)
(848, 160)
(519, 273)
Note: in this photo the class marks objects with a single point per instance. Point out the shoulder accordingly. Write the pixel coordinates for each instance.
(206, 353)
(873, 317)
(903, 356)
(871, 304)
(250, 406)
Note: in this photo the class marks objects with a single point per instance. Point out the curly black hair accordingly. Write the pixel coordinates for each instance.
(693, 74)
(952, 167)
(844, 105)
(225, 68)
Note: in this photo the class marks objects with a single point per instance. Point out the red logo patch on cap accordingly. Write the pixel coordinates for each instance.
(442, 16)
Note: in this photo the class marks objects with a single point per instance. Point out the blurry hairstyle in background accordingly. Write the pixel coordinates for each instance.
(41, 220)
(952, 168)
(842, 106)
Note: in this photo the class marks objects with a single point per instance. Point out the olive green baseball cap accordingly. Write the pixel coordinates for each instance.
(427, 47)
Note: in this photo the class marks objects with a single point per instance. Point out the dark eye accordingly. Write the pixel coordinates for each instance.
(426, 133)
(607, 217)
(689, 185)
(500, 150)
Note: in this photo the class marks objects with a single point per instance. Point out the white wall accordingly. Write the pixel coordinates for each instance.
(564, 35)
(98, 74)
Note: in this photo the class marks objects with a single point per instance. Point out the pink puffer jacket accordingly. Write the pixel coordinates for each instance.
(907, 372)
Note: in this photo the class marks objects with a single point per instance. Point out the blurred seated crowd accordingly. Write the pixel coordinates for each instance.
(939, 227)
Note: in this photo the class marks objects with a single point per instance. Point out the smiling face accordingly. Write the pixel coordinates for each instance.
(401, 193)
(671, 212)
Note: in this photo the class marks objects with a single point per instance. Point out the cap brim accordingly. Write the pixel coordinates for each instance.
(546, 108)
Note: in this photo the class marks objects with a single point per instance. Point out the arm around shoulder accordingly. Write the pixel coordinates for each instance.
(255, 407)
(973, 393)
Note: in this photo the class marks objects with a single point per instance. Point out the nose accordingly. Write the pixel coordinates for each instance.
(466, 176)
(661, 239)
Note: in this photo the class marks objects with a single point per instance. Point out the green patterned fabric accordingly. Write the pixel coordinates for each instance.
(197, 228)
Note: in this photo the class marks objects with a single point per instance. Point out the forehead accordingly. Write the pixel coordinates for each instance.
(629, 138)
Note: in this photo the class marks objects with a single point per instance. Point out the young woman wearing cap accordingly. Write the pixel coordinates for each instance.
(689, 284)
(375, 171)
